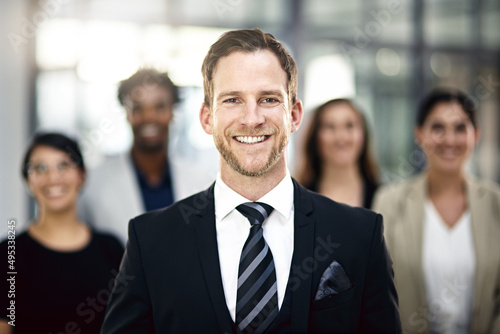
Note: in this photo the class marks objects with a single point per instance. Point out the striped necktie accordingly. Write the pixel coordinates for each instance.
(257, 294)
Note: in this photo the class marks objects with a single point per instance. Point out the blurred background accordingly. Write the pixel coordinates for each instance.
(61, 60)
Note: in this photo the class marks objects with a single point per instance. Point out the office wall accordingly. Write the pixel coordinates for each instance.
(14, 114)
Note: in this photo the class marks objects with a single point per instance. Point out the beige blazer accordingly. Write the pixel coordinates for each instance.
(112, 195)
(402, 206)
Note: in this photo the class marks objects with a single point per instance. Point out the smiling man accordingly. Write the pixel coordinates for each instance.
(147, 177)
(251, 116)
(256, 252)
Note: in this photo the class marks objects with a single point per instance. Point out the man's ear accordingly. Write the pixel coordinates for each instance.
(297, 113)
(206, 118)
(127, 107)
(129, 115)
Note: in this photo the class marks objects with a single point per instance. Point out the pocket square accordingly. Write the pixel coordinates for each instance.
(333, 281)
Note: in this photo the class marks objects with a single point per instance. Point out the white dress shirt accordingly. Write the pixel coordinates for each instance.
(449, 265)
(233, 229)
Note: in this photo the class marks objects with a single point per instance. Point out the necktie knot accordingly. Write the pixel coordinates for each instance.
(255, 212)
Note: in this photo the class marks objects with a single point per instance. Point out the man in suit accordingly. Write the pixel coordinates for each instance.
(322, 267)
(147, 177)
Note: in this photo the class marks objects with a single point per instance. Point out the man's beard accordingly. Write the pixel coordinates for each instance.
(150, 148)
(145, 146)
(232, 160)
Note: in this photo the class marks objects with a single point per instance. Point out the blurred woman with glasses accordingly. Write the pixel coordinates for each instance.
(442, 227)
(64, 270)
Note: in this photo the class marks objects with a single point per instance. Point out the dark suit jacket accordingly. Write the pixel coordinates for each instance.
(171, 282)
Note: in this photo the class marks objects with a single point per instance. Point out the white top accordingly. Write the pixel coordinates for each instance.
(449, 265)
(233, 229)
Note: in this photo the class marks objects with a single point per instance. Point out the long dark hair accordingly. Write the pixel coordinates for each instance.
(309, 172)
(446, 95)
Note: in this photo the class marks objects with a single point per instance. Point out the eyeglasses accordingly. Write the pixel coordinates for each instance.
(43, 169)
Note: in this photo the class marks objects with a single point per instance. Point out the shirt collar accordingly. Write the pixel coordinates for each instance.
(165, 176)
(280, 197)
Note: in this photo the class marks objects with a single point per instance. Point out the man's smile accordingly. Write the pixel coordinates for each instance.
(251, 139)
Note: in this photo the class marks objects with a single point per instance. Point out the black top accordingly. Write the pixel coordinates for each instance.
(155, 196)
(369, 189)
(55, 291)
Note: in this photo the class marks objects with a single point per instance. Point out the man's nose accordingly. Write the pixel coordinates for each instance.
(251, 114)
(149, 114)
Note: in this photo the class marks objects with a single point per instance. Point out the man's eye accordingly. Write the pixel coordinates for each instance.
(233, 100)
(270, 100)
(136, 108)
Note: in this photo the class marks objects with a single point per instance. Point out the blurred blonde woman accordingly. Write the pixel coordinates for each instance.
(65, 271)
(337, 161)
(442, 227)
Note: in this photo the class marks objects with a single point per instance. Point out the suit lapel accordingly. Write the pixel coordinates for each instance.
(300, 285)
(415, 230)
(130, 183)
(485, 244)
(203, 223)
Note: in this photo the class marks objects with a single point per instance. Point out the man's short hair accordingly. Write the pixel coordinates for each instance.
(147, 77)
(248, 41)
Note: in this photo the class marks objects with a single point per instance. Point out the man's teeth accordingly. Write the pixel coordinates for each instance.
(150, 130)
(250, 140)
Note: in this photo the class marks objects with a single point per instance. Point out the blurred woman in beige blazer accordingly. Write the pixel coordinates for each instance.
(442, 227)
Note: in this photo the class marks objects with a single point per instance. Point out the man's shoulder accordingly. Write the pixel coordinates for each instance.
(180, 212)
(342, 222)
(111, 163)
(109, 174)
(110, 170)
(330, 212)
